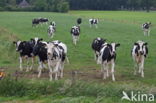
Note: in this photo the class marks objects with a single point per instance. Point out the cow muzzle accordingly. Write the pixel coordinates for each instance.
(141, 52)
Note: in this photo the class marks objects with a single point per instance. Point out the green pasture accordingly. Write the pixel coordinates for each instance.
(122, 27)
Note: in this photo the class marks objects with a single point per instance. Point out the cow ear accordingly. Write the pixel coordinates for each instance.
(108, 45)
(135, 43)
(145, 43)
(31, 39)
(14, 42)
(41, 39)
(117, 45)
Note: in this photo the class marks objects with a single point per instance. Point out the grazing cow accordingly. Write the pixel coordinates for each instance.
(25, 48)
(75, 31)
(93, 22)
(35, 22)
(139, 53)
(107, 56)
(44, 20)
(40, 50)
(51, 29)
(146, 28)
(56, 52)
(79, 21)
(96, 46)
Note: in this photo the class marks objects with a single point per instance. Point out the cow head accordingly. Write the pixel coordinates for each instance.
(19, 45)
(75, 30)
(113, 47)
(36, 40)
(50, 49)
(140, 47)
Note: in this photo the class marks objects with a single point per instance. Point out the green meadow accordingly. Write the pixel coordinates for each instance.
(122, 27)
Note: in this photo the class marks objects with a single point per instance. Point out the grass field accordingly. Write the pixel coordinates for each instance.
(116, 26)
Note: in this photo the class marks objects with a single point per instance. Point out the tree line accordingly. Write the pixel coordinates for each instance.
(65, 5)
(112, 4)
(36, 5)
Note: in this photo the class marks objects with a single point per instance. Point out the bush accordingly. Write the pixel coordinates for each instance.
(10, 87)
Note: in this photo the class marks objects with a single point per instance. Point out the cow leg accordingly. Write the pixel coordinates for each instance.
(27, 59)
(50, 71)
(104, 70)
(74, 40)
(112, 69)
(142, 68)
(40, 68)
(32, 65)
(135, 67)
(77, 38)
(21, 62)
(62, 68)
(57, 70)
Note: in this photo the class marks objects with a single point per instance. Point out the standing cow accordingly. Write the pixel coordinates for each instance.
(40, 50)
(93, 22)
(35, 22)
(56, 53)
(96, 46)
(25, 49)
(75, 31)
(139, 53)
(146, 28)
(108, 56)
(79, 21)
(51, 29)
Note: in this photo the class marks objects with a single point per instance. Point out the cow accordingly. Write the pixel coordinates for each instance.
(53, 24)
(35, 22)
(75, 32)
(25, 49)
(139, 53)
(79, 21)
(51, 29)
(108, 56)
(56, 53)
(96, 46)
(44, 20)
(40, 50)
(93, 22)
(146, 28)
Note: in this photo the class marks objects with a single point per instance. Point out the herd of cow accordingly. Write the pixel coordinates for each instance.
(54, 53)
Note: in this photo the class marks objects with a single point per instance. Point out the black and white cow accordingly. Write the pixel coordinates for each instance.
(53, 24)
(51, 29)
(44, 20)
(96, 46)
(139, 53)
(57, 53)
(79, 21)
(40, 50)
(93, 22)
(146, 28)
(25, 49)
(35, 22)
(108, 56)
(75, 31)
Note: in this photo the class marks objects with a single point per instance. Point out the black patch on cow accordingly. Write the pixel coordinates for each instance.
(40, 51)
